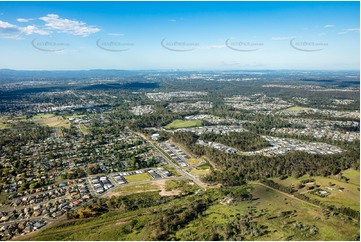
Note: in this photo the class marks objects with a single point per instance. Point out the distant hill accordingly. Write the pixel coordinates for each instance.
(81, 74)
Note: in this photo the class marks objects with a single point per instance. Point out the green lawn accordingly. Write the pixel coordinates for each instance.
(176, 124)
(297, 109)
(138, 177)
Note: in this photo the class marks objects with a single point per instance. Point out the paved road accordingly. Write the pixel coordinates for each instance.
(170, 162)
(186, 174)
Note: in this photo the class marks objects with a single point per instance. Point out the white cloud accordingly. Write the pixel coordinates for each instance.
(23, 20)
(346, 31)
(11, 31)
(282, 38)
(33, 30)
(6, 25)
(173, 20)
(52, 23)
(73, 27)
(329, 26)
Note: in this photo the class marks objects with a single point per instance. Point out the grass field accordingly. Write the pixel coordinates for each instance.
(353, 175)
(133, 188)
(84, 129)
(350, 197)
(138, 177)
(3, 125)
(195, 161)
(204, 166)
(197, 172)
(330, 228)
(176, 124)
(297, 109)
(51, 120)
(266, 209)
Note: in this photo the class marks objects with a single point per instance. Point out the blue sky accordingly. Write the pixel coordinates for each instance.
(179, 35)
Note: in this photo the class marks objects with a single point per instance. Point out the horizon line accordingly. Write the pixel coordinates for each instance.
(175, 69)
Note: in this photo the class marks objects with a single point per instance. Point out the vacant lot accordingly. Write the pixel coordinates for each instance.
(197, 172)
(132, 188)
(195, 161)
(176, 124)
(51, 120)
(138, 177)
(297, 108)
(159, 185)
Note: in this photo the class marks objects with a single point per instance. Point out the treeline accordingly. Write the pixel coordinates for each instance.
(278, 186)
(245, 141)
